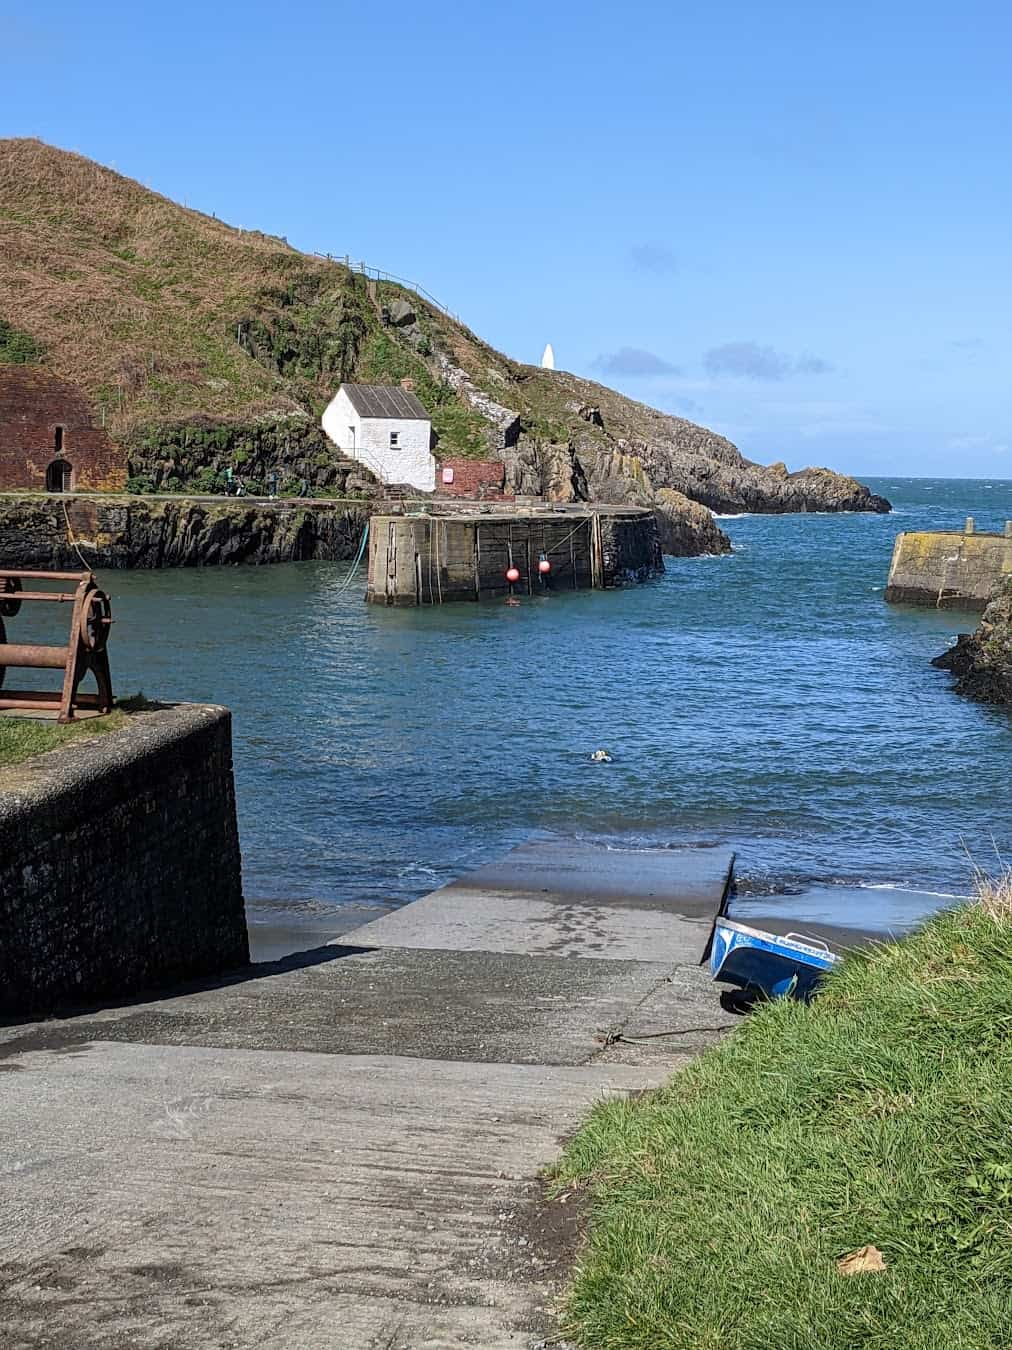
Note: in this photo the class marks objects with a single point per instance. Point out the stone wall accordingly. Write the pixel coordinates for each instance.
(56, 532)
(43, 419)
(120, 867)
(950, 569)
(433, 559)
(630, 548)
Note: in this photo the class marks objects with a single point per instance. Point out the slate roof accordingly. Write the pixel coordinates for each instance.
(384, 400)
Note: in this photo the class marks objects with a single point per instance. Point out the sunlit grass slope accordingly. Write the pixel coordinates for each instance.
(881, 1115)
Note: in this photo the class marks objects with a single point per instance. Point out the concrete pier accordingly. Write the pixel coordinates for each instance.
(450, 553)
(948, 569)
(342, 1149)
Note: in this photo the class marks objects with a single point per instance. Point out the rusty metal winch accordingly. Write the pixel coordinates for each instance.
(85, 650)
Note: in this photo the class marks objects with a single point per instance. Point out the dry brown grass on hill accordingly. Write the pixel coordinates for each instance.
(161, 314)
(132, 296)
(994, 893)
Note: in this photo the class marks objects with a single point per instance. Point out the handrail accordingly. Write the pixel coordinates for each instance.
(363, 269)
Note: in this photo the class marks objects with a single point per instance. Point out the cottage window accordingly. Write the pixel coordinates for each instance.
(393, 439)
(58, 440)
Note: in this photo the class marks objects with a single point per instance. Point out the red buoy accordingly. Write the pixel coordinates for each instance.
(512, 574)
(544, 567)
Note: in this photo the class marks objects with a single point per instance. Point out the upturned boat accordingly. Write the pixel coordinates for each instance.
(789, 966)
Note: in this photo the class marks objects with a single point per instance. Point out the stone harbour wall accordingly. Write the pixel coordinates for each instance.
(630, 548)
(432, 559)
(119, 863)
(50, 532)
(949, 569)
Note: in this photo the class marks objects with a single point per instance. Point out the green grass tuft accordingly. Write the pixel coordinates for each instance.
(23, 737)
(881, 1114)
(17, 348)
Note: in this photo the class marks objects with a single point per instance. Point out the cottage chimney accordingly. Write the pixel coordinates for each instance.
(408, 385)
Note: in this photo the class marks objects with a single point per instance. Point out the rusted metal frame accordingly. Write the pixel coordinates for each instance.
(64, 597)
(71, 679)
(43, 576)
(85, 651)
(33, 656)
(47, 698)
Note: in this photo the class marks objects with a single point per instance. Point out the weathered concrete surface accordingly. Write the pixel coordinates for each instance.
(570, 900)
(341, 1150)
(187, 1197)
(276, 931)
(949, 569)
(433, 1004)
(456, 555)
(119, 862)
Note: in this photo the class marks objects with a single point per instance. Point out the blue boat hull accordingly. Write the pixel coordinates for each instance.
(779, 967)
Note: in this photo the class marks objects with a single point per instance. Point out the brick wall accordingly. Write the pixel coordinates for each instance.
(37, 410)
(119, 866)
(474, 479)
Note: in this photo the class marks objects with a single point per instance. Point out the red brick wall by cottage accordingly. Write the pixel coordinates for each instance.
(474, 479)
(44, 420)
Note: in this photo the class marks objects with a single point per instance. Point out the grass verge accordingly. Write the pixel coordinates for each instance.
(881, 1114)
(23, 737)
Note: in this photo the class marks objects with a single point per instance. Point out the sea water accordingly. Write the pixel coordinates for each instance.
(769, 700)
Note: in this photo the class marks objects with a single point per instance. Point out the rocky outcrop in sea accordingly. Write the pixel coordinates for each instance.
(687, 529)
(982, 661)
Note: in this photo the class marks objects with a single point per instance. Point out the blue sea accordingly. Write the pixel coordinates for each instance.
(769, 700)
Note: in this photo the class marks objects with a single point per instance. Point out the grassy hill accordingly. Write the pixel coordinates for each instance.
(169, 319)
(158, 311)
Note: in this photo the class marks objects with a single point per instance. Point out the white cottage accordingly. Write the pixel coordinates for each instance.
(387, 429)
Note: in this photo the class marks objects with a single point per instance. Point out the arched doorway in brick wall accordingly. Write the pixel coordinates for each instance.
(59, 476)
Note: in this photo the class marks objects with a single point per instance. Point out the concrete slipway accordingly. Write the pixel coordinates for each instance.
(341, 1149)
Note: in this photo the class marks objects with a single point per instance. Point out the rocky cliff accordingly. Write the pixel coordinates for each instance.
(117, 532)
(982, 660)
(58, 533)
(687, 529)
(199, 344)
(196, 455)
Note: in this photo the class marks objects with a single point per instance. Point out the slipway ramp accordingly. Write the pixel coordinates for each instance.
(341, 1151)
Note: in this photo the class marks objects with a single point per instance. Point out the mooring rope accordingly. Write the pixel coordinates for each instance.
(556, 547)
(358, 558)
(70, 537)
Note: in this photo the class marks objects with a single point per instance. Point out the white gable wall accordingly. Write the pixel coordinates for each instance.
(367, 439)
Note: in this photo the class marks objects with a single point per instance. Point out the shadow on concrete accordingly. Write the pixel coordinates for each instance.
(260, 970)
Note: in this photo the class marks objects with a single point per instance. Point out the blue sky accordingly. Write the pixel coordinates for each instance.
(790, 222)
